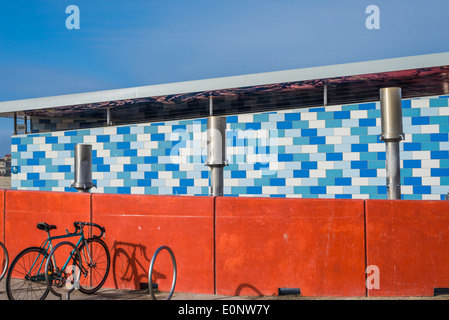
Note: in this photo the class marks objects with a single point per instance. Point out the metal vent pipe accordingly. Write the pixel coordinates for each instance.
(216, 153)
(392, 134)
(83, 168)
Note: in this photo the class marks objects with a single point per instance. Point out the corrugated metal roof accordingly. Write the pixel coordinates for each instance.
(423, 75)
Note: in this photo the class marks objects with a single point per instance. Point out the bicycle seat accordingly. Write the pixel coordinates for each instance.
(45, 227)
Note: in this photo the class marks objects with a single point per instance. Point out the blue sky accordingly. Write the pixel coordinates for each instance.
(133, 43)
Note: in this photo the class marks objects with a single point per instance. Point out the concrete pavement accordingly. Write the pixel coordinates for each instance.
(115, 294)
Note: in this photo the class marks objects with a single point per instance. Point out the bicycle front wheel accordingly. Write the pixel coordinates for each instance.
(4, 260)
(26, 279)
(96, 260)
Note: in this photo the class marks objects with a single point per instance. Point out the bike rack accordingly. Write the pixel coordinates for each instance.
(150, 272)
(3, 272)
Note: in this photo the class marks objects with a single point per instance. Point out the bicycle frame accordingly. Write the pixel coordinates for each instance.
(47, 246)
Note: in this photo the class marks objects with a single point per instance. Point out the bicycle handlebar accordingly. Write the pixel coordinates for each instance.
(80, 225)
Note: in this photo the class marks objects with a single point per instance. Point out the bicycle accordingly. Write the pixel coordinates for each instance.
(29, 273)
(4, 260)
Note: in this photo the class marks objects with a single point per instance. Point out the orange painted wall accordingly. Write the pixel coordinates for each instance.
(250, 246)
(136, 225)
(263, 244)
(409, 242)
(24, 209)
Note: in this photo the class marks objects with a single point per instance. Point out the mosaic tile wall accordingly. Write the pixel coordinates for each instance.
(331, 152)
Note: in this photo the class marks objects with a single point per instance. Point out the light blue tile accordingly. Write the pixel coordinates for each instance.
(136, 129)
(33, 147)
(26, 155)
(444, 145)
(65, 154)
(45, 176)
(317, 157)
(64, 139)
(342, 148)
(276, 117)
(406, 121)
(440, 189)
(116, 138)
(326, 132)
(351, 139)
(374, 130)
(194, 190)
(292, 133)
(285, 174)
(430, 111)
(309, 181)
(96, 131)
(110, 175)
(58, 161)
(193, 175)
(351, 173)
(246, 182)
(165, 190)
(110, 160)
(103, 183)
(351, 189)
(346, 123)
(268, 125)
(377, 181)
(286, 190)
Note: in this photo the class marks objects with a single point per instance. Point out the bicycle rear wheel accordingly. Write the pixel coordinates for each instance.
(4, 260)
(62, 269)
(26, 279)
(97, 261)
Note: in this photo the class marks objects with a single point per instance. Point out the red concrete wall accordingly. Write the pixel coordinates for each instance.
(250, 246)
(409, 242)
(136, 225)
(263, 244)
(24, 209)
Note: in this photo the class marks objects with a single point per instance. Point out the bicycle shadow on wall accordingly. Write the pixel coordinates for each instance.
(248, 289)
(128, 269)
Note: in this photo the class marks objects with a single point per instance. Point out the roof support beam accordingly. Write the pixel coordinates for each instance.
(108, 117)
(325, 95)
(15, 123)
